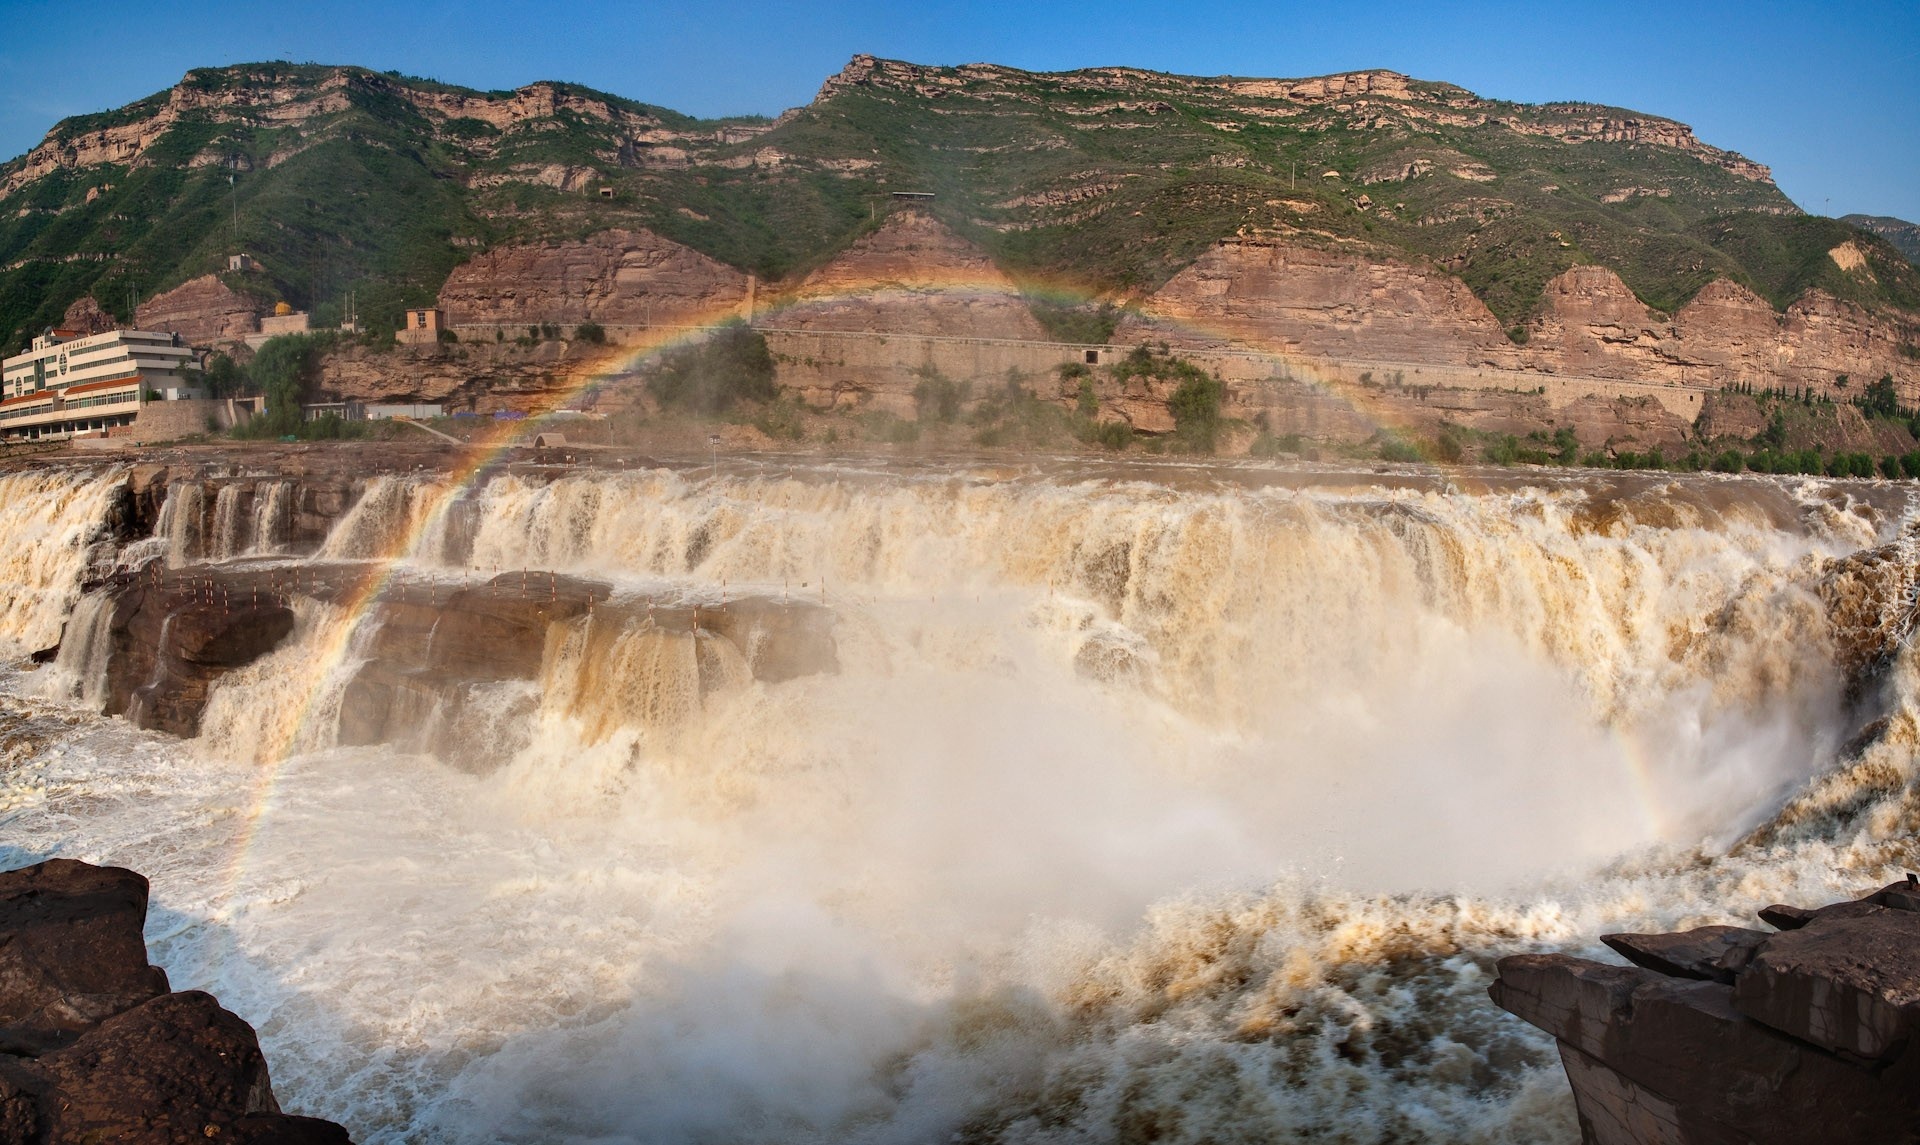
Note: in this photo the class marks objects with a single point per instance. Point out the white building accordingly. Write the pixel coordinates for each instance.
(68, 384)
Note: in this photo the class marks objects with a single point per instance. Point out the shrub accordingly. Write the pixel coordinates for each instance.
(1393, 449)
(591, 332)
(880, 425)
(782, 420)
(709, 377)
(1114, 435)
(937, 397)
(1447, 449)
(1195, 406)
(1729, 461)
(1087, 403)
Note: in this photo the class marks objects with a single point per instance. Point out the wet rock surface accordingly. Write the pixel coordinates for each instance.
(93, 1045)
(1725, 1034)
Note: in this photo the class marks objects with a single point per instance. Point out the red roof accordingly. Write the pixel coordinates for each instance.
(92, 386)
(23, 398)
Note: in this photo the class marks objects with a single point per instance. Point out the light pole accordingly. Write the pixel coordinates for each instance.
(713, 443)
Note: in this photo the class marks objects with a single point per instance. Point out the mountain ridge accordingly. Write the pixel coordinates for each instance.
(1107, 180)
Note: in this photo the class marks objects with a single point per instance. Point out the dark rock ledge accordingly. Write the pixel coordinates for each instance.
(93, 1045)
(1809, 1033)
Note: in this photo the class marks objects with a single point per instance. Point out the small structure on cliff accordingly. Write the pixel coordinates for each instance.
(422, 325)
(1807, 1034)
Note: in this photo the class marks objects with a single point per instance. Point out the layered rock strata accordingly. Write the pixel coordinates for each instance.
(1299, 302)
(93, 1044)
(616, 277)
(1808, 1033)
(435, 653)
(912, 275)
(204, 311)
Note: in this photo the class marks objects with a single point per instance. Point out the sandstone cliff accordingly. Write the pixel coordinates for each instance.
(1302, 302)
(616, 277)
(289, 96)
(911, 276)
(1296, 300)
(204, 311)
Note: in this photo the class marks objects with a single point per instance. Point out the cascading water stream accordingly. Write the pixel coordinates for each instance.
(226, 541)
(1130, 811)
(51, 519)
(183, 522)
(272, 517)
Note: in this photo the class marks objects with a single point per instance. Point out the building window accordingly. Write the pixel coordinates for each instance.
(1093, 357)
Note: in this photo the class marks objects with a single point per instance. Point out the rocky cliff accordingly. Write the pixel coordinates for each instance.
(617, 277)
(205, 311)
(1294, 301)
(1808, 1033)
(1106, 180)
(1301, 301)
(911, 275)
(93, 1044)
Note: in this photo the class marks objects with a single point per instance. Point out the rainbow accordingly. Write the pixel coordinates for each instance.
(498, 440)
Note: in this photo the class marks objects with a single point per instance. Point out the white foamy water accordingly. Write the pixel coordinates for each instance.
(1131, 813)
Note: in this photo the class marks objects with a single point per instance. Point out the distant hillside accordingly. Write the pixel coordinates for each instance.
(1904, 236)
(1101, 182)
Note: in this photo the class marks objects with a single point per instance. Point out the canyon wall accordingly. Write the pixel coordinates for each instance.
(1276, 321)
(617, 277)
(1296, 302)
(204, 311)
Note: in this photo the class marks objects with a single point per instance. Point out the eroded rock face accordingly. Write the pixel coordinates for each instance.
(445, 665)
(74, 956)
(1292, 299)
(86, 317)
(1286, 299)
(616, 277)
(170, 638)
(1725, 1034)
(94, 1048)
(204, 311)
(911, 276)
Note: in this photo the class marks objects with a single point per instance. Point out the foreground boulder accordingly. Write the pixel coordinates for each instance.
(1724, 1034)
(93, 1045)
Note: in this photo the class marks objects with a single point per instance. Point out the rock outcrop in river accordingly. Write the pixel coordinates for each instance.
(1722, 1034)
(95, 1047)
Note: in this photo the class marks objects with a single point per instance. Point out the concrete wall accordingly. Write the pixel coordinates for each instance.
(881, 370)
(171, 421)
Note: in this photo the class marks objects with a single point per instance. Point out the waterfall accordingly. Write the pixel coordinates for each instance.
(183, 522)
(226, 542)
(50, 518)
(272, 517)
(79, 672)
(392, 518)
(1191, 807)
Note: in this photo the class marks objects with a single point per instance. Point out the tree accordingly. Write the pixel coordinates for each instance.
(1881, 399)
(1195, 406)
(710, 376)
(284, 367)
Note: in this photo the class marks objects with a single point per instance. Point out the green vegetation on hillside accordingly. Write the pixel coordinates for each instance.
(1084, 185)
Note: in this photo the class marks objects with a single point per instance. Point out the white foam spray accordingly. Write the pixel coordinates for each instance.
(1131, 812)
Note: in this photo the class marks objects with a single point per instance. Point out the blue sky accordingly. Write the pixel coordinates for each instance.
(1827, 94)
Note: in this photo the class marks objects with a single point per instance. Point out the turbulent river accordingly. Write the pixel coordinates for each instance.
(1185, 805)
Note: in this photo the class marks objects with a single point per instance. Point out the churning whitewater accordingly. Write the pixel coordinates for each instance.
(1169, 805)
